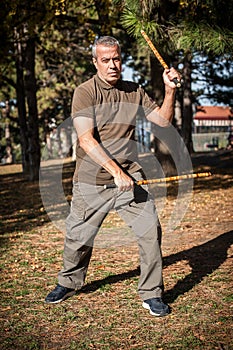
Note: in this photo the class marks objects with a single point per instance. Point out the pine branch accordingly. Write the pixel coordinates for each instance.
(202, 37)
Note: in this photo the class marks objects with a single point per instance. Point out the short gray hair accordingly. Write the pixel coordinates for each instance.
(105, 41)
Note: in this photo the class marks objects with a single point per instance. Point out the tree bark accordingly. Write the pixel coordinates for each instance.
(156, 72)
(102, 8)
(9, 155)
(20, 94)
(187, 103)
(33, 125)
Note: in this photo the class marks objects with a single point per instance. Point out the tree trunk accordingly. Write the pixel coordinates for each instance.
(102, 8)
(160, 142)
(6, 115)
(156, 72)
(20, 94)
(33, 126)
(187, 103)
(157, 94)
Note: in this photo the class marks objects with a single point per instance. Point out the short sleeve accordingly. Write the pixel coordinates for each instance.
(148, 103)
(82, 102)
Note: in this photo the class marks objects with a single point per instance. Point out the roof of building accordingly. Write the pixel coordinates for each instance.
(213, 113)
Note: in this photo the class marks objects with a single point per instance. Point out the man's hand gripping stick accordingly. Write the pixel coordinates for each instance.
(165, 179)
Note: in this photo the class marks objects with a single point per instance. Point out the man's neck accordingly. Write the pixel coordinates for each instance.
(106, 82)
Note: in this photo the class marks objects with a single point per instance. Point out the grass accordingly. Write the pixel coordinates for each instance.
(107, 313)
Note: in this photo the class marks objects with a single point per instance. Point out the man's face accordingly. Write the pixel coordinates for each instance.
(108, 63)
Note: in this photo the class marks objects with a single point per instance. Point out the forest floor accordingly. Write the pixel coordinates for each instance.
(107, 313)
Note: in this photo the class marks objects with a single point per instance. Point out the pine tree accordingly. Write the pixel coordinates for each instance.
(179, 28)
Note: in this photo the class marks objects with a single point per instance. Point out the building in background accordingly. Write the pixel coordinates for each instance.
(212, 128)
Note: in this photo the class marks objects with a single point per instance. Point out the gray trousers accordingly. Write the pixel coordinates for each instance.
(90, 205)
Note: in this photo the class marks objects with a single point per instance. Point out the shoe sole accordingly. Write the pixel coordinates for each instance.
(146, 306)
(68, 295)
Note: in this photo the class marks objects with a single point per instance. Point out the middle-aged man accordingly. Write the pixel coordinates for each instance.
(104, 111)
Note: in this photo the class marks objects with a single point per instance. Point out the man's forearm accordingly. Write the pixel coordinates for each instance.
(163, 115)
(84, 128)
(97, 153)
(166, 111)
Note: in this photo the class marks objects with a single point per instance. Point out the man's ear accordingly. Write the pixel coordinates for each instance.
(94, 61)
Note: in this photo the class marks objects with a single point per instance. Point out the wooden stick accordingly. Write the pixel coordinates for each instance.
(166, 179)
(173, 178)
(158, 56)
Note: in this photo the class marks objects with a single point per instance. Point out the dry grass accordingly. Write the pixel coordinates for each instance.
(107, 313)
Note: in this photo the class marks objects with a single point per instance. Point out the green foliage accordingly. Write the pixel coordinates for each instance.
(218, 74)
(183, 25)
(133, 25)
(201, 37)
(64, 32)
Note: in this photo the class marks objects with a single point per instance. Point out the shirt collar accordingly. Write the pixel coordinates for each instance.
(105, 85)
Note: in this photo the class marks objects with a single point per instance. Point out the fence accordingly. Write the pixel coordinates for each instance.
(205, 142)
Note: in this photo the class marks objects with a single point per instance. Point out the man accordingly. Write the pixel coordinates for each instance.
(104, 111)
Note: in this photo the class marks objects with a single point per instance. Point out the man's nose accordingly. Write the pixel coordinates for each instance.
(112, 64)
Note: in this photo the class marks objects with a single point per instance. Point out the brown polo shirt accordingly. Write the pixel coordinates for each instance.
(114, 110)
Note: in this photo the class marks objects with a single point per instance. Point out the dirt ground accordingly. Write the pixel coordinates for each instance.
(197, 247)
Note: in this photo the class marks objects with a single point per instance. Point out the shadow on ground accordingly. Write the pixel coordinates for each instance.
(22, 207)
(203, 259)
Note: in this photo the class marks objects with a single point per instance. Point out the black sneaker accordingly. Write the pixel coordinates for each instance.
(156, 307)
(59, 294)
